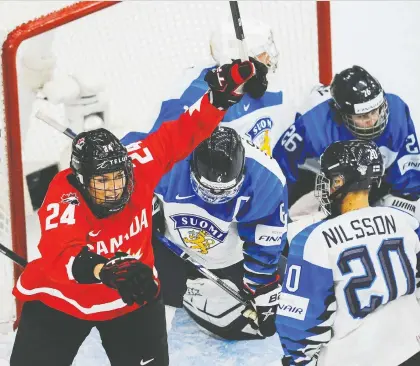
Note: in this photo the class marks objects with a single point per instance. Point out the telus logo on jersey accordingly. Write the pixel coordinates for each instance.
(259, 133)
(197, 232)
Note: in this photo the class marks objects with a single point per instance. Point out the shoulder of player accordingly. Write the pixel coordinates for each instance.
(260, 165)
(398, 121)
(396, 106)
(318, 96)
(304, 241)
(394, 99)
(402, 216)
(313, 121)
(174, 176)
(62, 192)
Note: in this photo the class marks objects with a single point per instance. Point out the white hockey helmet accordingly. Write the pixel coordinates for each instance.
(258, 37)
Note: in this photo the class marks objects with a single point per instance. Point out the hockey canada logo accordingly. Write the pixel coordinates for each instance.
(80, 143)
(70, 198)
(197, 232)
(259, 134)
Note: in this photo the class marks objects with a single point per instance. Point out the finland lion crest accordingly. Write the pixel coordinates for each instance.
(198, 233)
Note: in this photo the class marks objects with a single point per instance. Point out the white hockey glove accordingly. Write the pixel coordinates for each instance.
(403, 204)
(263, 308)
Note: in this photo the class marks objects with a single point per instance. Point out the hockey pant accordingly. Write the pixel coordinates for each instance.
(210, 306)
(48, 337)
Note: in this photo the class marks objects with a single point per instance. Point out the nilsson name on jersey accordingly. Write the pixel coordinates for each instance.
(198, 233)
(360, 228)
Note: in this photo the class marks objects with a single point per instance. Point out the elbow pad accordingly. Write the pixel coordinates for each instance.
(84, 264)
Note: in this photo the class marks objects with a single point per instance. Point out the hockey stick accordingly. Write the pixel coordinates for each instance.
(171, 246)
(239, 31)
(54, 124)
(13, 256)
(199, 267)
(240, 36)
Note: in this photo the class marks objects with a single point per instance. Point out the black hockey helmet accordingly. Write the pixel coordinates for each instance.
(217, 166)
(359, 101)
(103, 170)
(355, 165)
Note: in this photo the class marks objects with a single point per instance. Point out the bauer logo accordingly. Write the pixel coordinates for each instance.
(293, 306)
(198, 233)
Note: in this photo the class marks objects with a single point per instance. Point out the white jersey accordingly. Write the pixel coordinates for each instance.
(215, 234)
(349, 291)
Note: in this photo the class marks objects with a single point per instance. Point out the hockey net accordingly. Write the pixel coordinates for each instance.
(137, 49)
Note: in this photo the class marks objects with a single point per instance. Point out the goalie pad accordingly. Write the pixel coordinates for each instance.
(216, 311)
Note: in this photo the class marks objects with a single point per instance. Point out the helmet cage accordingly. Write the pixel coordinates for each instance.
(90, 173)
(98, 191)
(322, 192)
(368, 133)
(216, 192)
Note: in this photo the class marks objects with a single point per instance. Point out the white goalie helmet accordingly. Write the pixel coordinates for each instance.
(259, 41)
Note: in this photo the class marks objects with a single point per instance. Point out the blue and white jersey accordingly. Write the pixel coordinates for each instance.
(314, 130)
(250, 227)
(348, 294)
(261, 121)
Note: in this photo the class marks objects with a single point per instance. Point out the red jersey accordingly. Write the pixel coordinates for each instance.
(67, 223)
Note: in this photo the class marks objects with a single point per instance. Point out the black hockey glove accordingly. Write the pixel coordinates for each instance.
(262, 308)
(131, 278)
(257, 85)
(225, 80)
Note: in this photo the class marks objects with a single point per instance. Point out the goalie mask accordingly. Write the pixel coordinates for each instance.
(359, 101)
(217, 166)
(259, 40)
(347, 166)
(103, 170)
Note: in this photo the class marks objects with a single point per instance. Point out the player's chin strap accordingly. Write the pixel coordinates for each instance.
(171, 246)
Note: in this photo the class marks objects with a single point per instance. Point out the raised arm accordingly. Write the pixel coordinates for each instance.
(175, 140)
